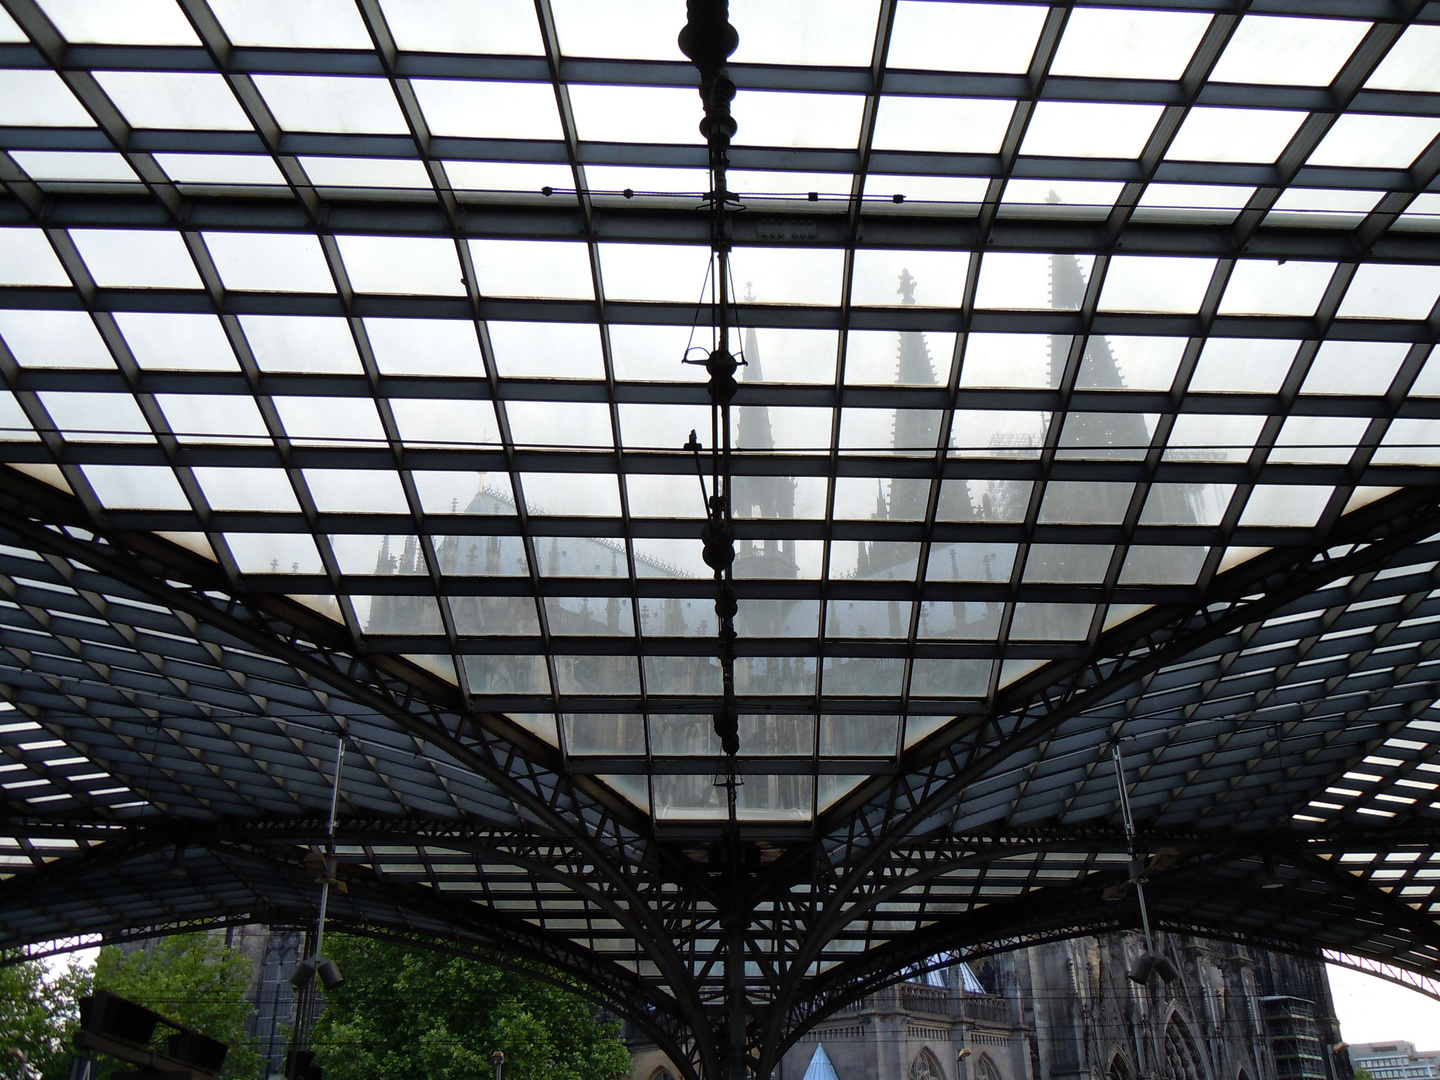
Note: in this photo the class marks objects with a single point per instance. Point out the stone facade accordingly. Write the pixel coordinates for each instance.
(1067, 1011)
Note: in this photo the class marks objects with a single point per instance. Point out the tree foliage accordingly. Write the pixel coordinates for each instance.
(193, 979)
(405, 1012)
(39, 1010)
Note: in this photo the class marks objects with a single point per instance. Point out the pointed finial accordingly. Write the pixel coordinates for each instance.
(1053, 197)
(907, 288)
(749, 292)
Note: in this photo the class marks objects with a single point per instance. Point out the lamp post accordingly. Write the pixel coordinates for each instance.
(499, 1059)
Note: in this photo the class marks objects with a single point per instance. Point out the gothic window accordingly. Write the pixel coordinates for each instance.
(926, 1067)
(1119, 1068)
(661, 1073)
(985, 1068)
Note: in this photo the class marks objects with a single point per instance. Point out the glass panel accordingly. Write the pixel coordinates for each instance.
(1192, 202)
(1085, 502)
(643, 180)
(675, 675)
(547, 350)
(581, 556)
(509, 27)
(654, 353)
(1163, 565)
(783, 497)
(89, 417)
(1009, 280)
(377, 555)
(1213, 437)
(577, 615)
(1089, 129)
(837, 33)
(665, 427)
(331, 421)
(1112, 436)
(1116, 44)
(316, 24)
(998, 433)
(1291, 287)
(136, 487)
(455, 423)
(665, 496)
(1146, 283)
(682, 798)
(769, 558)
(602, 675)
(878, 560)
(778, 618)
(628, 30)
(164, 342)
(954, 125)
(886, 358)
(221, 169)
(1060, 198)
(1358, 140)
(751, 184)
(1051, 622)
(970, 562)
(960, 620)
(635, 114)
(675, 617)
(270, 262)
(35, 98)
(345, 105)
(1067, 563)
(308, 343)
(926, 278)
(863, 498)
(965, 37)
(274, 553)
(672, 558)
(1130, 363)
(998, 500)
(1410, 442)
(559, 269)
(54, 339)
(779, 118)
(508, 176)
(1186, 504)
(507, 674)
(867, 619)
(859, 736)
(967, 191)
(425, 347)
(121, 22)
(936, 677)
(571, 494)
(1279, 50)
(560, 423)
(1318, 440)
(775, 798)
(776, 736)
(14, 425)
(1285, 505)
(1354, 367)
(213, 418)
(1257, 136)
(863, 676)
(480, 556)
(1325, 207)
(655, 272)
(1385, 291)
(138, 259)
(1025, 361)
(785, 276)
(403, 265)
(174, 99)
(479, 109)
(889, 430)
(464, 492)
(356, 491)
(74, 166)
(1243, 365)
(1413, 62)
(227, 488)
(682, 735)
(397, 614)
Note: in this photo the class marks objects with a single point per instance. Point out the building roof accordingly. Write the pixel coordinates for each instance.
(1091, 398)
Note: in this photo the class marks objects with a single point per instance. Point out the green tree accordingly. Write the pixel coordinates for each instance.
(404, 1012)
(38, 1013)
(1362, 1073)
(193, 979)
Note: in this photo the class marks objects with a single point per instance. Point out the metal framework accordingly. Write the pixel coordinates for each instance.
(1087, 395)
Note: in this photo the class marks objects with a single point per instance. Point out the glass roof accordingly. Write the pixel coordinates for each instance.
(1048, 315)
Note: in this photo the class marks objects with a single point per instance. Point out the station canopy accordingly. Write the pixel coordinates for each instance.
(1087, 401)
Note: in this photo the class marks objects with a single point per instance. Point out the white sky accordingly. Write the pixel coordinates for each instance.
(1374, 1010)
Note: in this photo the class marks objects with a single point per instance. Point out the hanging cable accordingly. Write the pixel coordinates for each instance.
(1150, 962)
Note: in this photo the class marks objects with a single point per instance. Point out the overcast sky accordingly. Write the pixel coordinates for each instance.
(1374, 1010)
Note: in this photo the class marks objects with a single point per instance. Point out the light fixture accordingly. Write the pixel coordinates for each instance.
(312, 966)
(1151, 963)
(1271, 878)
